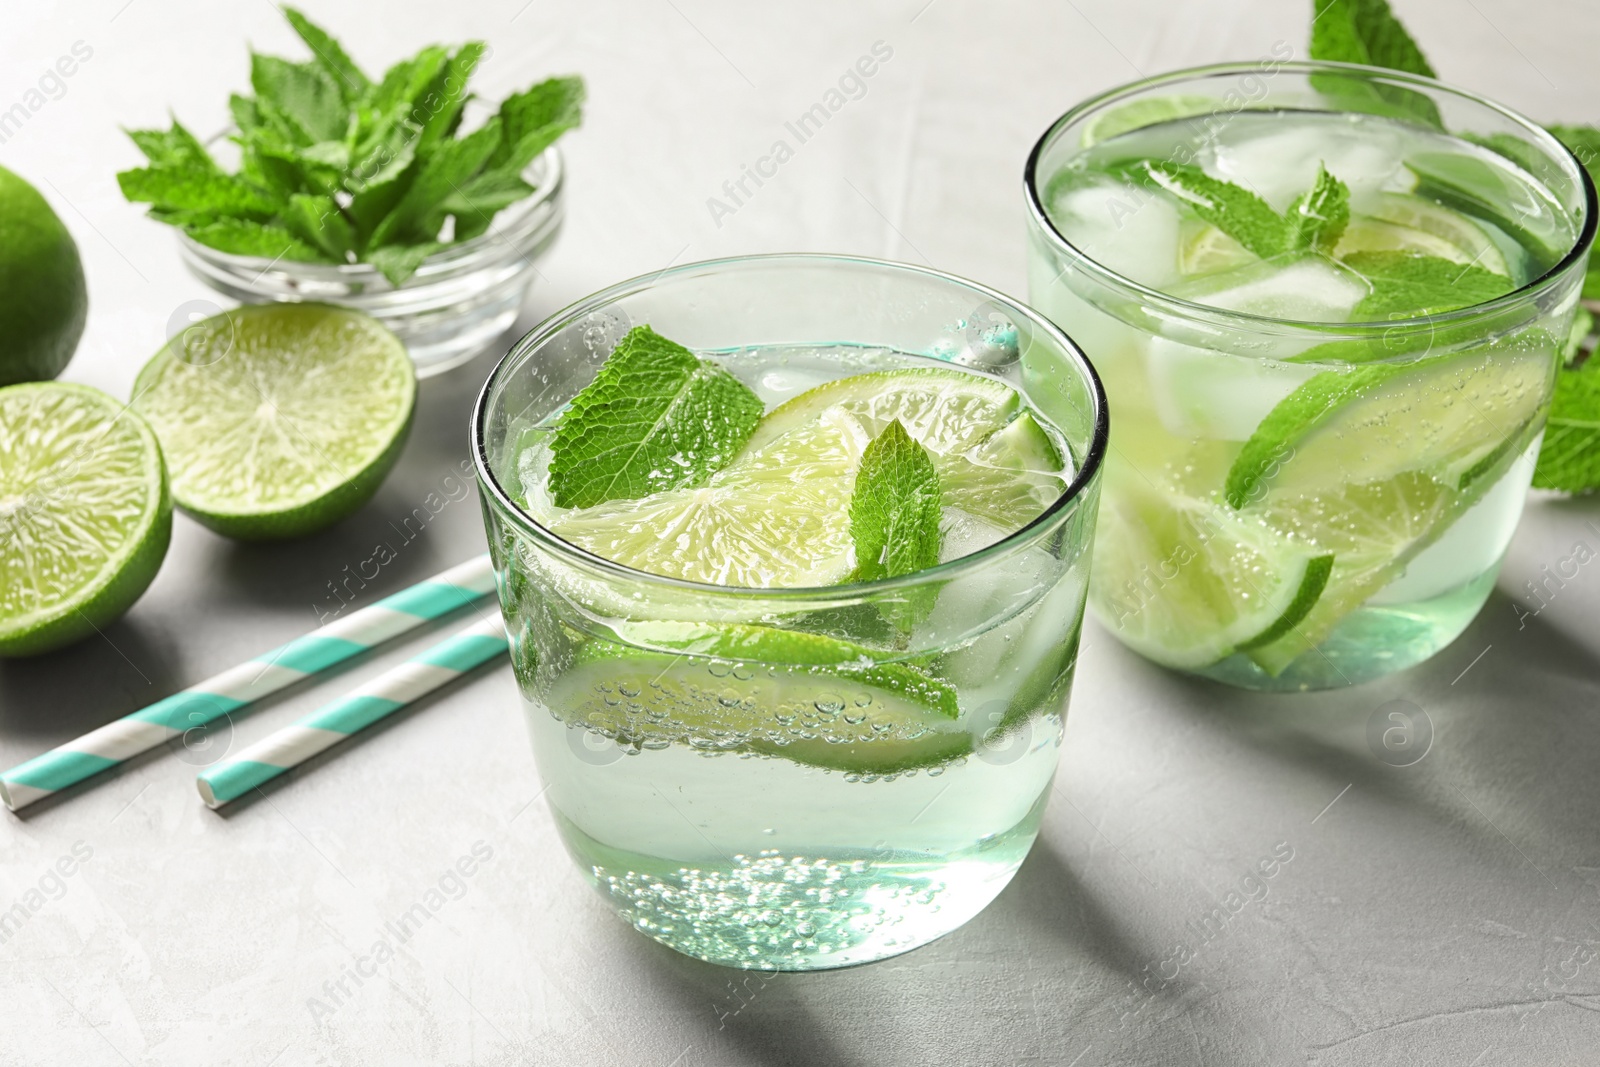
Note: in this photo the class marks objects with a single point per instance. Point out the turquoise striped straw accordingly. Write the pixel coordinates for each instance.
(327, 726)
(215, 697)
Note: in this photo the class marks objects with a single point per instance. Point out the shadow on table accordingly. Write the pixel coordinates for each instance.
(47, 699)
(761, 1016)
(1500, 703)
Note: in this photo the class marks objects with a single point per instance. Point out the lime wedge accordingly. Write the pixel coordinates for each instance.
(812, 699)
(995, 460)
(1187, 583)
(85, 516)
(1150, 111)
(775, 517)
(281, 419)
(1401, 223)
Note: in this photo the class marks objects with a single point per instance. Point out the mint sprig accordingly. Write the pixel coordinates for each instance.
(895, 508)
(1315, 220)
(1234, 210)
(1366, 32)
(338, 168)
(656, 417)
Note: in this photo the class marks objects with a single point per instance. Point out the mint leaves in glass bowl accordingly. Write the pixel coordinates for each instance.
(368, 194)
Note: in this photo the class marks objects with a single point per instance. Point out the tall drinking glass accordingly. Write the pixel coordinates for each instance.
(1329, 304)
(773, 778)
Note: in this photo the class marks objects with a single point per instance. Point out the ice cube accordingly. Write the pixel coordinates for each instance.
(1217, 395)
(1277, 157)
(964, 534)
(1132, 231)
(1306, 287)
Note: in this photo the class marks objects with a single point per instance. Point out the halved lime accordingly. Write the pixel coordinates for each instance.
(809, 698)
(995, 460)
(85, 515)
(281, 419)
(1187, 582)
(775, 517)
(1400, 223)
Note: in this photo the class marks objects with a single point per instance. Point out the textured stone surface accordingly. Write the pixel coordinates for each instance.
(1446, 912)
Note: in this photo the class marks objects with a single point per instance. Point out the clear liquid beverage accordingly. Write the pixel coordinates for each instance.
(801, 778)
(1321, 450)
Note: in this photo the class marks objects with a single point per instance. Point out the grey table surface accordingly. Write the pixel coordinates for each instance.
(1445, 912)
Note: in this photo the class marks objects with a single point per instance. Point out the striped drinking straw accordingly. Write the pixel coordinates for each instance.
(213, 698)
(327, 726)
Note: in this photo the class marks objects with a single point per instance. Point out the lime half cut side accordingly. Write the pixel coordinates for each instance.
(1187, 582)
(809, 698)
(280, 419)
(85, 514)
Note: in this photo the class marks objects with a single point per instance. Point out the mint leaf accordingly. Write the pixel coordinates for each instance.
(1366, 32)
(474, 206)
(318, 221)
(895, 508)
(300, 99)
(245, 238)
(194, 188)
(1584, 142)
(1318, 218)
(1569, 459)
(656, 417)
(330, 56)
(399, 262)
(418, 215)
(1234, 210)
(533, 119)
(1407, 285)
(448, 95)
(176, 147)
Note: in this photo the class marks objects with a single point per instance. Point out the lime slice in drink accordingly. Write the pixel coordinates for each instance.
(1371, 529)
(1378, 420)
(281, 419)
(995, 460)
(809, 698)
(1187, 583)
(1203, 249)
(85, 515)
(1374, 464)
(1150, 111)
(1401, 223)
(775, 517)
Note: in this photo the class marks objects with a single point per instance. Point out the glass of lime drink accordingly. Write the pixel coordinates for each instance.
(1329, 303)
(759, 758)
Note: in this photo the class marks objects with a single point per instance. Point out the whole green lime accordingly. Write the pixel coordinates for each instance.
(43, 299)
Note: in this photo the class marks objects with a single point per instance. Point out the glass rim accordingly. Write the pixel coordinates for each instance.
(1192, 311)
(1083, 475)
(456, 257)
